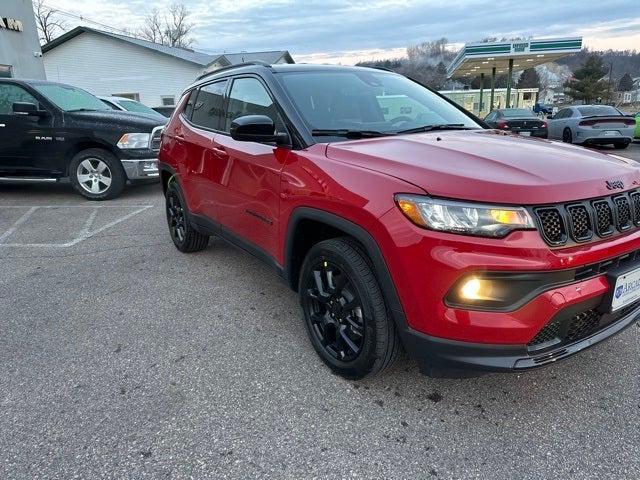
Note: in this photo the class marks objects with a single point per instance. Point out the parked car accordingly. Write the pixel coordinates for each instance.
(49, 131)
(425, 231)
(636, 133)
(164, 111)
(128, 105)
(545, 109)
(517, 120)
(592, 125)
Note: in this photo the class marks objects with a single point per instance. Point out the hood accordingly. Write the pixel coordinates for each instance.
(118, 118)
(490, 166)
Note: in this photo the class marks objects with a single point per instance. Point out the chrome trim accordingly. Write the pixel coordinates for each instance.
(135, 170)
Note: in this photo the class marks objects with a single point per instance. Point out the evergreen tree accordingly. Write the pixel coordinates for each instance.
(529, 79)
(587, 83)
(626, 83)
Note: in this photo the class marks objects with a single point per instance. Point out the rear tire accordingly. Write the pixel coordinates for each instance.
(184, 236)
(344, 310)
(97, 175)
(567, 136)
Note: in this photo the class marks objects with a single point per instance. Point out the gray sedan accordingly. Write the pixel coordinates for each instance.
(592, 125)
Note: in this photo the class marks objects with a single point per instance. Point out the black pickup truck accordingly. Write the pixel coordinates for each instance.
(50, 131)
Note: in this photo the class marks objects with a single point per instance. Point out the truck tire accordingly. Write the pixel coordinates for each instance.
(96, 174)
(344, 310)
(184, 236)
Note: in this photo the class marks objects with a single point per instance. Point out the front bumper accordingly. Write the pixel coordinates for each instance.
(142, 168)
(436, 355)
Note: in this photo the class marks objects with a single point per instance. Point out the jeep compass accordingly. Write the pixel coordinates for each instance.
(402, 221)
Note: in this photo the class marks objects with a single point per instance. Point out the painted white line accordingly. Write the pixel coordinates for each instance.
(17, 223)
(84, 234)
(75, 206)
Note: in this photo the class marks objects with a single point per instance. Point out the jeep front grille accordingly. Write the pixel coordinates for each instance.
(589, 220)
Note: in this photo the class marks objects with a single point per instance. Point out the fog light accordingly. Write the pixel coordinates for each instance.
(150, 167)
(470, 289)
(478, 289)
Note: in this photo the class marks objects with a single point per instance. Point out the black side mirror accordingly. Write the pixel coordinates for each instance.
(549, 117)
(26, 108)
(257, 128)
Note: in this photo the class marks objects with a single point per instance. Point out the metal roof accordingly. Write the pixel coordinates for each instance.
(476, 58)
(188, 55)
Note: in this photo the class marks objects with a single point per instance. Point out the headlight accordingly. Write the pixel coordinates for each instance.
(462, 217)
(134, 140)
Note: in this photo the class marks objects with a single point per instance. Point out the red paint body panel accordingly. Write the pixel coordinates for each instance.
(253, 190)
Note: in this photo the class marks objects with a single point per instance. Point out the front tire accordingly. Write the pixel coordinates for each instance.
(344, 310)
(567, 136)
(97, 175)
(184, 236)
(620, 146)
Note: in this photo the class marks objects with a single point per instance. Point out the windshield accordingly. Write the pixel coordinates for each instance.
(598, 111)
(133, 106)
(517, 112)
(363, 100)
(70, 98)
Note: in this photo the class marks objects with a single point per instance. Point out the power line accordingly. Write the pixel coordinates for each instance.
(87, 20)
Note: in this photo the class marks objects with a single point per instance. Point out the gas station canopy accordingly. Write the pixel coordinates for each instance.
(478, 58)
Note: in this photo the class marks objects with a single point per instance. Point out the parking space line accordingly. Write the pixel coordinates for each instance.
(84, 233)
(18, 222)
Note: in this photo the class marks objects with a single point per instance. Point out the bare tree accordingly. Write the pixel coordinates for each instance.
(48, 21)
(171, 28)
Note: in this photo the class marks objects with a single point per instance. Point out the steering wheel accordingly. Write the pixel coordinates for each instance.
(400, 119)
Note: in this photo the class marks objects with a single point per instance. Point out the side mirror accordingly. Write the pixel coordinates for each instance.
(549, 117)
(257, 128)
(26, 108)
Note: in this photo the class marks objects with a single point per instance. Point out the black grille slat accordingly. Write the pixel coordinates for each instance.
(603, 218)
(582, 325)
(553, 227)
(623, 213)
(635, 202)
(580, 223)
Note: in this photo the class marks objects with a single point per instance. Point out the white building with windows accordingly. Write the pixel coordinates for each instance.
(110, 64)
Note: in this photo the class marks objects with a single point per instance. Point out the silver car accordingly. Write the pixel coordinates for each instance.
(592, 125)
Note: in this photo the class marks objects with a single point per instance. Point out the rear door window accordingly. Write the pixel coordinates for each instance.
(208, 109)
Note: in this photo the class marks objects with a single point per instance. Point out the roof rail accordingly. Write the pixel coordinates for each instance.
(237, 65)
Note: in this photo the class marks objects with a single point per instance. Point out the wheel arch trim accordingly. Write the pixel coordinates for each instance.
(360, 234)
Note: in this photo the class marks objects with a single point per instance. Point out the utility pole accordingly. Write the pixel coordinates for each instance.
(610, 81)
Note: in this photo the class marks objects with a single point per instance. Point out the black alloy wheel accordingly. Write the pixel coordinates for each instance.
(344, 310)
(184, 236)
(335, 311)
(567, 137)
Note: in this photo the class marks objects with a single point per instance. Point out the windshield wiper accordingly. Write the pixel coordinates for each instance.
(82, 110)
(438, 126)
(349, 133)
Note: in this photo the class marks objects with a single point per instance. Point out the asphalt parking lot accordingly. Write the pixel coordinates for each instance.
(123, 358)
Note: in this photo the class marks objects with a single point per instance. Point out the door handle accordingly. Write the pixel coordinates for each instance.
(220, 152)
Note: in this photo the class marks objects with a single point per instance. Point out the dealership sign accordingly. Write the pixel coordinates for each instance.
(10, 24)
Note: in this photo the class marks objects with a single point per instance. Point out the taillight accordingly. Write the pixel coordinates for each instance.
(502, 125)
(544, 125)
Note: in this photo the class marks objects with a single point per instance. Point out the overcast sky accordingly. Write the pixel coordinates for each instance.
(349, 30)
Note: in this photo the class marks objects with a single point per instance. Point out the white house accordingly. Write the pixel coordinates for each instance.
(105, 63)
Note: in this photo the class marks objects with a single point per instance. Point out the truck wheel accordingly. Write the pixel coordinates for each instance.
(344, 310)
(184, 236)
(97, 175)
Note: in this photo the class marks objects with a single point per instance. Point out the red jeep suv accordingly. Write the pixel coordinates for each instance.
(402, 221)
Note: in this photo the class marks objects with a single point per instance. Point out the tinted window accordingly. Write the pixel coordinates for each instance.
(367, 100)
(9, 94)
(517, 112)
(249, 97)
(70, 98)
(490, 117)
(598, 111)
(208, 109)
(188, 108)
(563, 113)
(133, 106)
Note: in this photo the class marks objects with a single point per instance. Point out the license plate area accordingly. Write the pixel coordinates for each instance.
(625, 288)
